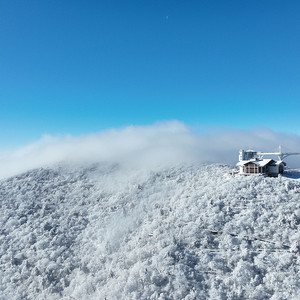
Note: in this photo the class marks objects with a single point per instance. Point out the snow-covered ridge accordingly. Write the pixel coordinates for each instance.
(183, 232)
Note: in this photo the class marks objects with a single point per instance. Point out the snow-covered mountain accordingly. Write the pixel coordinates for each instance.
(183, 232)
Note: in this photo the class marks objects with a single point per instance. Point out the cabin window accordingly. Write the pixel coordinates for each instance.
(251, 168)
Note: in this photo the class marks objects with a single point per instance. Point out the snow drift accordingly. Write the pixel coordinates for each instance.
(147, 147)
(103, 231)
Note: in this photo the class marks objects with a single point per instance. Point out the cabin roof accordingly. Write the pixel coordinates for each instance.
(280, 162)
(261, 163)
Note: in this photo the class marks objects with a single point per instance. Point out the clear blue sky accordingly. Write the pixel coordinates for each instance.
(82, 66)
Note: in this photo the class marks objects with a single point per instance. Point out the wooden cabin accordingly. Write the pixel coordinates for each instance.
(268, 167)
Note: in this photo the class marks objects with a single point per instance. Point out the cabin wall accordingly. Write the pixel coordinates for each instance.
(273, 170)
(253, 169)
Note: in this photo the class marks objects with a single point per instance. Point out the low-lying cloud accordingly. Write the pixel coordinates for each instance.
(147, 146)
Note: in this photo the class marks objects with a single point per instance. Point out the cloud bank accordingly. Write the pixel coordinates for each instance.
(147, 146)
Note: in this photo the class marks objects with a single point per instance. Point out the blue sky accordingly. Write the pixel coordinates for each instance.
(75, 67)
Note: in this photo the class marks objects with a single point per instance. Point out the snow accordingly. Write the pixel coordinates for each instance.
(105, 231)
(260, 163)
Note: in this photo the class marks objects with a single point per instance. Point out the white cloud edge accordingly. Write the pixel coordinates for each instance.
(146, 146)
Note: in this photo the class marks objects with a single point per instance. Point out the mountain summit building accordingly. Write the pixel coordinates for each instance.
(252, 162)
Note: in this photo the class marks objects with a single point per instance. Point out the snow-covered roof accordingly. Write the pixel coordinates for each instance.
(280, 162)
(260, 163)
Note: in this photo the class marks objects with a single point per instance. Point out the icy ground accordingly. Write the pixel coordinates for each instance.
(187, 232)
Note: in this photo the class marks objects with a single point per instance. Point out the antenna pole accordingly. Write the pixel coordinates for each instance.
(280, 156)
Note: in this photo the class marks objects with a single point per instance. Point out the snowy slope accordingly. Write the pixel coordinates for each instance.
(183, 232)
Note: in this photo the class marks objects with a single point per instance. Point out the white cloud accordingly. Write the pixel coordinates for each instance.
(147, 146)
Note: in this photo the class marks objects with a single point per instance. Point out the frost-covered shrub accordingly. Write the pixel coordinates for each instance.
(187, 232)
